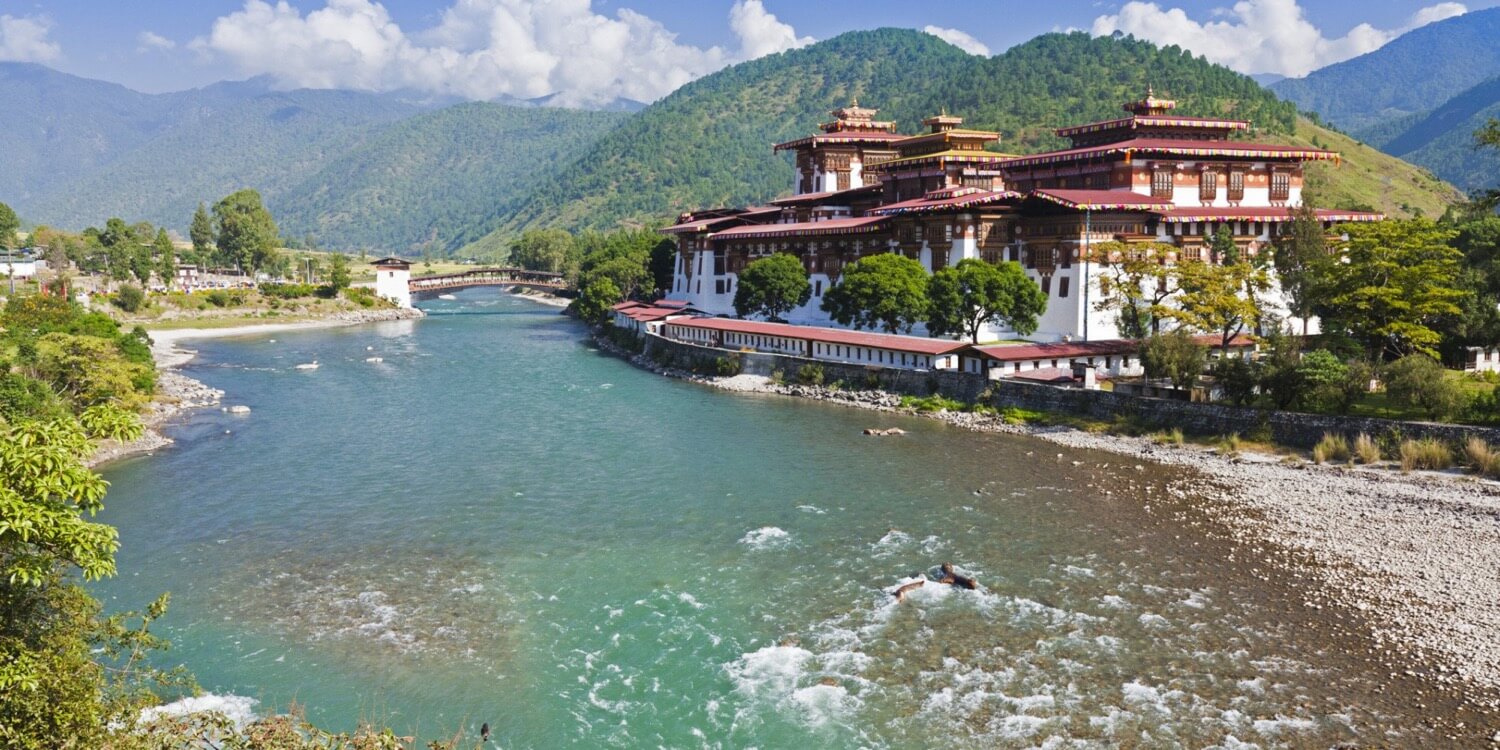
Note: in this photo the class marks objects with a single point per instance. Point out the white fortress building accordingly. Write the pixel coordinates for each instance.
(943, 196)
(393, 280)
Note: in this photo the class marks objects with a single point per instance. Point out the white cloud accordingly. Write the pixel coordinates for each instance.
(482, 49)
(959, 39)
(24, 39)
(150, 40)
(1260, 36)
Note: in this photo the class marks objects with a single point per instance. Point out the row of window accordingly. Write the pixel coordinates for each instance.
(1162, 185)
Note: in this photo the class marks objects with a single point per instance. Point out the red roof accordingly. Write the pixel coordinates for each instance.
(1102, 200)
(793, 200)
(844, 136)
(1097, 348)
(1175, 147)
(827, 226)
(909, 344)
(645, 314)
(627, 304)
(1182, 215)
(925, 204)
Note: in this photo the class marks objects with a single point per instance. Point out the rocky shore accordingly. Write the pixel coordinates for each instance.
(1414, 558)
(178, 394)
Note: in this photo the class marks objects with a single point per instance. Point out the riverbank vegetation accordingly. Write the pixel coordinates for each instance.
(604, 267)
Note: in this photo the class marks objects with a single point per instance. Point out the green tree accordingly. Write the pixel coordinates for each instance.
(1322, 378)
(166, 258)
(543, 250)
(1213, 298)
(1420, 381)
(1393, 286)
(130, 298)
(246, 232)
(1135, 282)
(772, 286)
(965, 298)
(663, 264)
(9, 223)
(1303, 263)
(596, 299)
(338, 272)
(1175, 356)
(141, 263)
(1222, 248)
(886, 290)
(201, 231)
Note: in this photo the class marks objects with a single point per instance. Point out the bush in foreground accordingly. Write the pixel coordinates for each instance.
(1367, 449)
(1332, 448)
(1428, 453)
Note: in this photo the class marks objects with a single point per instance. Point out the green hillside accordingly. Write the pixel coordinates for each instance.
(1366, 177)
(269, 141)
(1413, 74)
(439, 176)
(708, 143)
(1443, 138)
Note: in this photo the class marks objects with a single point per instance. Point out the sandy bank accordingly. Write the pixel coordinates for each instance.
(1414, 558)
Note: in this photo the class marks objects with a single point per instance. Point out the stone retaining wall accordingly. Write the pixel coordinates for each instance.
(1286, 428)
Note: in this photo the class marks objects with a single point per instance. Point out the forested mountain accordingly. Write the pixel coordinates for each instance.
(1442, 139)
(708, 143)
(440, 176)
(1413, 74)
(383, 171)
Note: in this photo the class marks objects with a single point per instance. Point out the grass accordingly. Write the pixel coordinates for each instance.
(226, 321)
(1367, 449)
(1483, 458)
(1427, 453)
(1230, 445)
(1366, 176)
(1378, 404)
(1332, 448)
(1172, 437)
(933, 403)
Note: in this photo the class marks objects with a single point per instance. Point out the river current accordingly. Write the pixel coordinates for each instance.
(498, 523)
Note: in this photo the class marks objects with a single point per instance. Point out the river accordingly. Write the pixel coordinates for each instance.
(498, 523)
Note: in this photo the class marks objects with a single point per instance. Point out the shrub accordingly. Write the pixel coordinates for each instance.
(1419, 380)
(1238, 380)
(1174, 356)
(1174, 437)
(1332, 448)
(361, 295)
(217, 298)
(727, 367)
(1322, 378)
(130, 298)
(287, 291)
(927, 404)
(1426, 453)
(810, 374)
(1366, 449)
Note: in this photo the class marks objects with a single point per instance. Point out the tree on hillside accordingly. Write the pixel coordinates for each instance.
(1219, 299)
(9, 223)
(1302, 262)
(246, 233)
(772, 286)
(338, 272)
(543, 250)
(1135, 282)
(887, 291)
(202, 234)
(166, 258)
(1393, 286)
(1489, 137)
(965, 298)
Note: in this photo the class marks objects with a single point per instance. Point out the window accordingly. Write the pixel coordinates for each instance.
(1046, 285)
(1208, 185)
(1161, 183)
(1062, 287)
(818, 288)
(1236, 186)
(843, 180)
(1281, 186)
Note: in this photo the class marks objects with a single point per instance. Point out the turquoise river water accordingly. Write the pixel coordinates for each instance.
(498, 523)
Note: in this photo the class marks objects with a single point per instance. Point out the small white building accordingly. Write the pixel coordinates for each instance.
(19, 267)
(393, 280)
(1481, 359)
(641, 317)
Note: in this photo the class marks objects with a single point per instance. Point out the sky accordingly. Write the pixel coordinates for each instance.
(592, 51)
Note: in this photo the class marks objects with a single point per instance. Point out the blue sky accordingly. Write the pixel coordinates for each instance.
(640, 49)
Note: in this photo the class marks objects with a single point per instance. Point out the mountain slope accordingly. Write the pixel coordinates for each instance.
(1443, 139)
(438, 176)
(269, 141)
(1367, 178)
(708, 143)
(1414, 73)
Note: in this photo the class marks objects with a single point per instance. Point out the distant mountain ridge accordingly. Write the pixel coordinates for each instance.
(1420, 98)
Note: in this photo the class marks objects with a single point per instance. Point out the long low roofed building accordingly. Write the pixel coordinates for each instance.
(814, 342)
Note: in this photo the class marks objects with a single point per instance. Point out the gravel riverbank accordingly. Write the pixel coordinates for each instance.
(1413, 558)
(178, 394)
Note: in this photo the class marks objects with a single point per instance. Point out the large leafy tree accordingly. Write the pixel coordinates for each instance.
(166, 257)
(1219, 298)
(1175, 356)
(772, 286)
(1303, 263)
(9, 223)
(246, 232)
(1135, 283)
(965, 298)
(1395, 283)
(887, 291)
(597, 298)
(547, 250)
